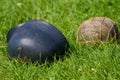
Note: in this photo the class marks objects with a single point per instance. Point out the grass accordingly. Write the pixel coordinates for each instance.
(85, 62)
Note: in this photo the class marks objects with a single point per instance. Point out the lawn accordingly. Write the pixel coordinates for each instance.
(85, 62)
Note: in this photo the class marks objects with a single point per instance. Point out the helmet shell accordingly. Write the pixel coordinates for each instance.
(36, 40)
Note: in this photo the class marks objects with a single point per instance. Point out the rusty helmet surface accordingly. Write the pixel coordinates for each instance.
(97, 29)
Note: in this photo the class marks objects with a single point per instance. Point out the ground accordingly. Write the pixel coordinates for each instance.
(83, 62)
